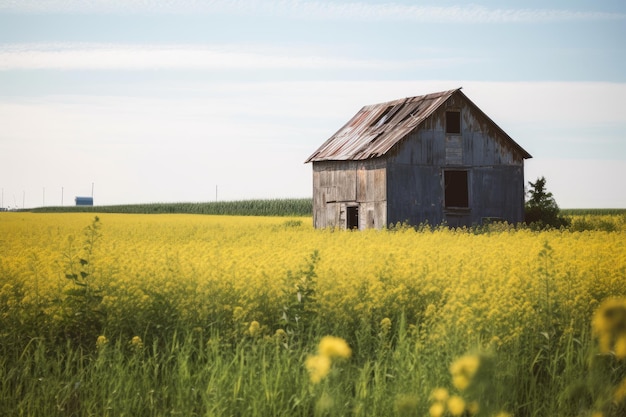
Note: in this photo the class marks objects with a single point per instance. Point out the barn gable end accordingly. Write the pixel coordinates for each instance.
(435, 158)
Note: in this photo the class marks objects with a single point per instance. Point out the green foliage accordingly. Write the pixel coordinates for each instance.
(81, 310)
(273, 207)
(594, 212)
(299, 308)
(541, 210)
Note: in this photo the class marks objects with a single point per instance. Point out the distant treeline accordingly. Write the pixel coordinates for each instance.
(595, 212)
(272, 207)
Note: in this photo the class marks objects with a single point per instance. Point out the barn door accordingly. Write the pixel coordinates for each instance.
(352, 217)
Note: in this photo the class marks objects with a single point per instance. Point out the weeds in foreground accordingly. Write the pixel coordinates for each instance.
(419, 335)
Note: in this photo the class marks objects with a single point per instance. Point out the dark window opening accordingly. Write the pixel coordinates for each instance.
(352, 218)
(453, 122)
(456, 193)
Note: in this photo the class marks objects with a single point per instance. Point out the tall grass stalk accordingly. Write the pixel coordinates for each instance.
(196, 374)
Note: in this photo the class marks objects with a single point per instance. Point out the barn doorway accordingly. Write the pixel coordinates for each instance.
(455, 188)
(352, 217)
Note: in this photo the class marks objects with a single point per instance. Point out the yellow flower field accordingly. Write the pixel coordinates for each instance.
(269, 306)
(208, 269)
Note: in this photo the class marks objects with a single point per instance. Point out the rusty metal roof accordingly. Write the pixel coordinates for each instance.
(376, 128)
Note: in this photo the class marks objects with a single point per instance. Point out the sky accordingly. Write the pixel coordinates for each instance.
(142, 101)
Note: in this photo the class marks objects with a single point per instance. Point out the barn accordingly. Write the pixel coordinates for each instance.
(435, 158)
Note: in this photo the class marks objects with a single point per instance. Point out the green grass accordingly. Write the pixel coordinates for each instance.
(592, 211)
(270, 207)
(194, 374)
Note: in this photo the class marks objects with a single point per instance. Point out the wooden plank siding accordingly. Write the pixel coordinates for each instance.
(473, 158)
(341, 184)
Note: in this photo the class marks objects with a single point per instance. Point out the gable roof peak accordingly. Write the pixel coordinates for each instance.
(376, 128)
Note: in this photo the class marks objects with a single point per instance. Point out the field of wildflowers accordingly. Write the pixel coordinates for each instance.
(129, 314)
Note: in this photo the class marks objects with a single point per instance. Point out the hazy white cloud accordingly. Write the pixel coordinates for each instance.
(302, 9)
(550, 102)
(581, 183)
(245, 136)
(82, 56)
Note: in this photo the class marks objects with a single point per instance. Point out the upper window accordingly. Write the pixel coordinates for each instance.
(456, 193)
(453, 122)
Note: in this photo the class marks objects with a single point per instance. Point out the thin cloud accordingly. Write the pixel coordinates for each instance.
(184, 57)
(319, 10)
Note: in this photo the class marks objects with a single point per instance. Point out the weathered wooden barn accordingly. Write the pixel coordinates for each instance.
(435, 158)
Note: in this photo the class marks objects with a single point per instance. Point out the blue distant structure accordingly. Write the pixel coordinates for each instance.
(84, 201)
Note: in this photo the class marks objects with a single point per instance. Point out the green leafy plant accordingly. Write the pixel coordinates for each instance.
(299, 308)
(82, 311)
(541, 210)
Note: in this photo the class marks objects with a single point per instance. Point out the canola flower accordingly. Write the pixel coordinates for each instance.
(437, 409)
(456, 405)
(385, 325)
(101, 341)
(463, 371)
(255, 329)
(222, 272)
(280, 335)
(609, 327)
(440, 394)
(334, 347)
(318, 367)
(329, 348)
(136, 343)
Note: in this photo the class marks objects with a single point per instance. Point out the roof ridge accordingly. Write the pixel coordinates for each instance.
(421, 96)
(377, 128)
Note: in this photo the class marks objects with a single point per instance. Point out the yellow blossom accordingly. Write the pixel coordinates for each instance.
(463, 370)
(456, 405)
(334, 347)
(136, 343)
(101, 341)
(440, 394)
(385, 325)
(620, 347)
(460, 382)
(436, 410)
(280, 335)
(609, 326)
(238, 313)
(255, 329)
(318, 367)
